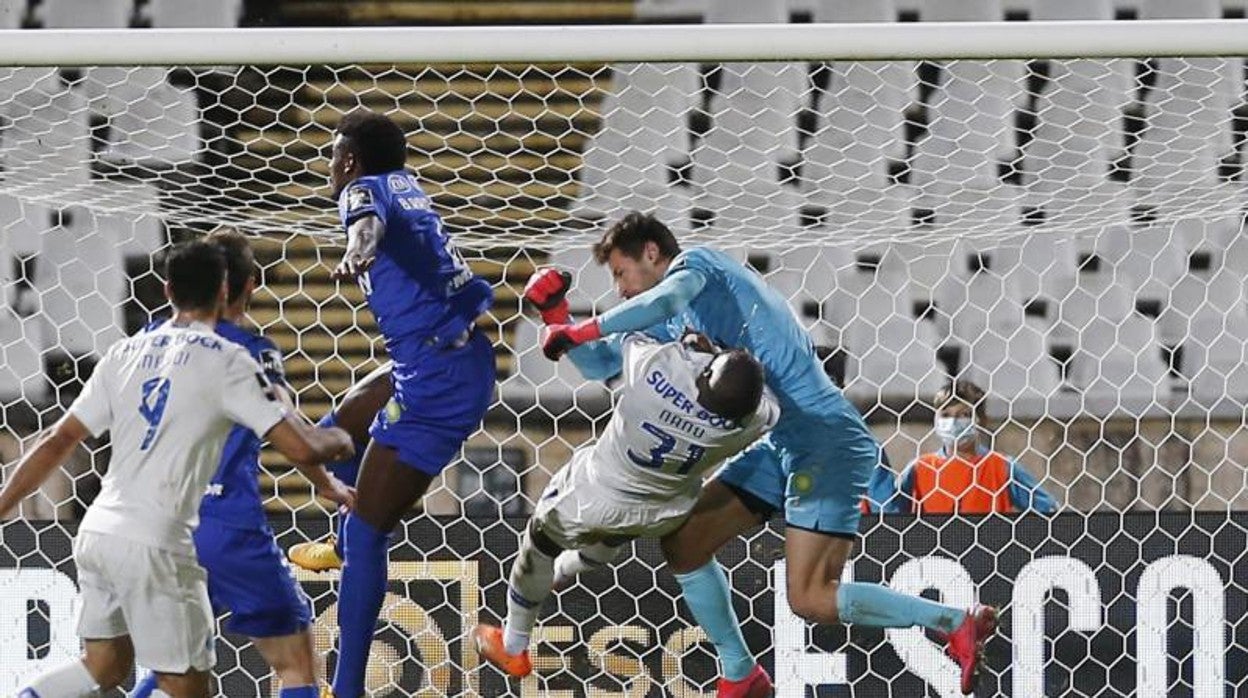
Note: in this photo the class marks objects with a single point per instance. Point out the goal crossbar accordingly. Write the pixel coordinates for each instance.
(650, 43)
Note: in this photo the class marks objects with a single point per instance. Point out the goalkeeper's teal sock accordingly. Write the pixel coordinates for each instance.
(299, 692)
(709, 598)
(359, 601)
(144, 688)
(880, 607)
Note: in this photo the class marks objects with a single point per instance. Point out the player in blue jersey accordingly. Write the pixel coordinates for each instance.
(247, 574)
(814, 466)
(426, 301)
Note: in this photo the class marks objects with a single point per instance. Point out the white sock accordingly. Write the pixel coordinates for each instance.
(573, 562)
(529, 585)
(70, 680)
(157, 693)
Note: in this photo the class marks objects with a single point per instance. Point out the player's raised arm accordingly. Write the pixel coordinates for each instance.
(640, 251)
(363, 237)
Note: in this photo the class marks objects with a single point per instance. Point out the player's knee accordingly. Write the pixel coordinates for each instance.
(190, 685)
(682, 557)
(813, 605)
(110, 665)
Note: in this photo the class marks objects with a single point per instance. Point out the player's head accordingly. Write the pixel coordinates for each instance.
(366, 143)
(960, 398)
(241, 273)
(195, 277)
(637, 249)
(731, 386)
(959, 407)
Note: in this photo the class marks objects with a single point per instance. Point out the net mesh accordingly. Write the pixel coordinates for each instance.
(1066, 233)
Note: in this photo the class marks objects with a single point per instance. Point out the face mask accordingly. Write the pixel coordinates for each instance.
(951, 430)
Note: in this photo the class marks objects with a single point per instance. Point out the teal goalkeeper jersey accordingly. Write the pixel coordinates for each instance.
(736, 308)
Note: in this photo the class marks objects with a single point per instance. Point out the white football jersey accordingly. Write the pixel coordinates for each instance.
(169, 397)
(660, 441)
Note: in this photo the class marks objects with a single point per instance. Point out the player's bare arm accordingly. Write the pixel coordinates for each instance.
(363, 237)
(308, 447)
(53, 449)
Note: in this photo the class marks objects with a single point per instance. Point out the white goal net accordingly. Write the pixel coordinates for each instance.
(1065, 232)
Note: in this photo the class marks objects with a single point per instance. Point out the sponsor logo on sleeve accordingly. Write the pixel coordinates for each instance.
(359, 198)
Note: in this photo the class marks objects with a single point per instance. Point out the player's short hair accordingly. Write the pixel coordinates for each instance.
(630, 234)
(732, 385)
(378, 143)
(240, 261)
(963, 392)
(195, 271)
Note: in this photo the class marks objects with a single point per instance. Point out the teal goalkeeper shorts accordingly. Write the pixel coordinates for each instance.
(813, 468)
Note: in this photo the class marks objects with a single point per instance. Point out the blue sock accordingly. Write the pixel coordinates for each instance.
(144, 688)
(880, 607)
(300, 692)
(359, 601)
(709, 597)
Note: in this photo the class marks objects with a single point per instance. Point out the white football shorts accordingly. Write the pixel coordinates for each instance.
(158, 598)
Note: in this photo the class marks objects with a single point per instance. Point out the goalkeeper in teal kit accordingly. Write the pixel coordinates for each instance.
(814, 466)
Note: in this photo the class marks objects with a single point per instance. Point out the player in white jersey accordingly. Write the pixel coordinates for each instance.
(682, 409)
(169, 397)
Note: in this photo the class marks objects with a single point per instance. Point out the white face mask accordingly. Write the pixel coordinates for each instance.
(951, 430)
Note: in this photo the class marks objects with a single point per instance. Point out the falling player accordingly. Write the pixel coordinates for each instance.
(814, 466)
(426, 301)
(682, 410)
(169, 397)
(247, 575)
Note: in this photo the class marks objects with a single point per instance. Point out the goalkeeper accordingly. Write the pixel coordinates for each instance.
(683, 408)
(814, 465)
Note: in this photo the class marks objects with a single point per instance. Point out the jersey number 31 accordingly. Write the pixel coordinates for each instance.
(658, 455)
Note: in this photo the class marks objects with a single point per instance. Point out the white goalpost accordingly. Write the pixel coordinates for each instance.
(1052, 209)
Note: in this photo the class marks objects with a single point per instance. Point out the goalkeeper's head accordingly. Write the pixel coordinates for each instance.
(366, 143)
(731, 385)
(637, 249)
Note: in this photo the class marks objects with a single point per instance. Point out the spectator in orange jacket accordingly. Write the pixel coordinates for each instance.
(964, 476)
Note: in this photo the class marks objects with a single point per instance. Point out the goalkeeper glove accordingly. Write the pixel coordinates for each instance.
(558, 339)
(547, 290)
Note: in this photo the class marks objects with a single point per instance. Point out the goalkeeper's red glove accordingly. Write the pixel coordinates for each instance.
(547, 290)
(558, 339)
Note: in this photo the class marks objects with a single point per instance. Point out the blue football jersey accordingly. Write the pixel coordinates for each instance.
(233, 495)
(736, 308)
(419, 287)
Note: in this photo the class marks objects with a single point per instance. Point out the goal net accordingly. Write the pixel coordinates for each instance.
(1066, 232)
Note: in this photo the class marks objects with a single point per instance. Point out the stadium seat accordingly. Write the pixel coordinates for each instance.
(194, 13)
(1188, 121)
(860, 131)
(630, 162)
(46, 148)
(151, 122)
(12, 12)
(80, 278)
(555, 387)
(86, 14)
(892, 355)
(970, 117)
(1116, 359)
(131, 214)
(753, 134)
(1117, 363)
(21, 359)
(1009, 360)
(1078, 131)
(1215, 359)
